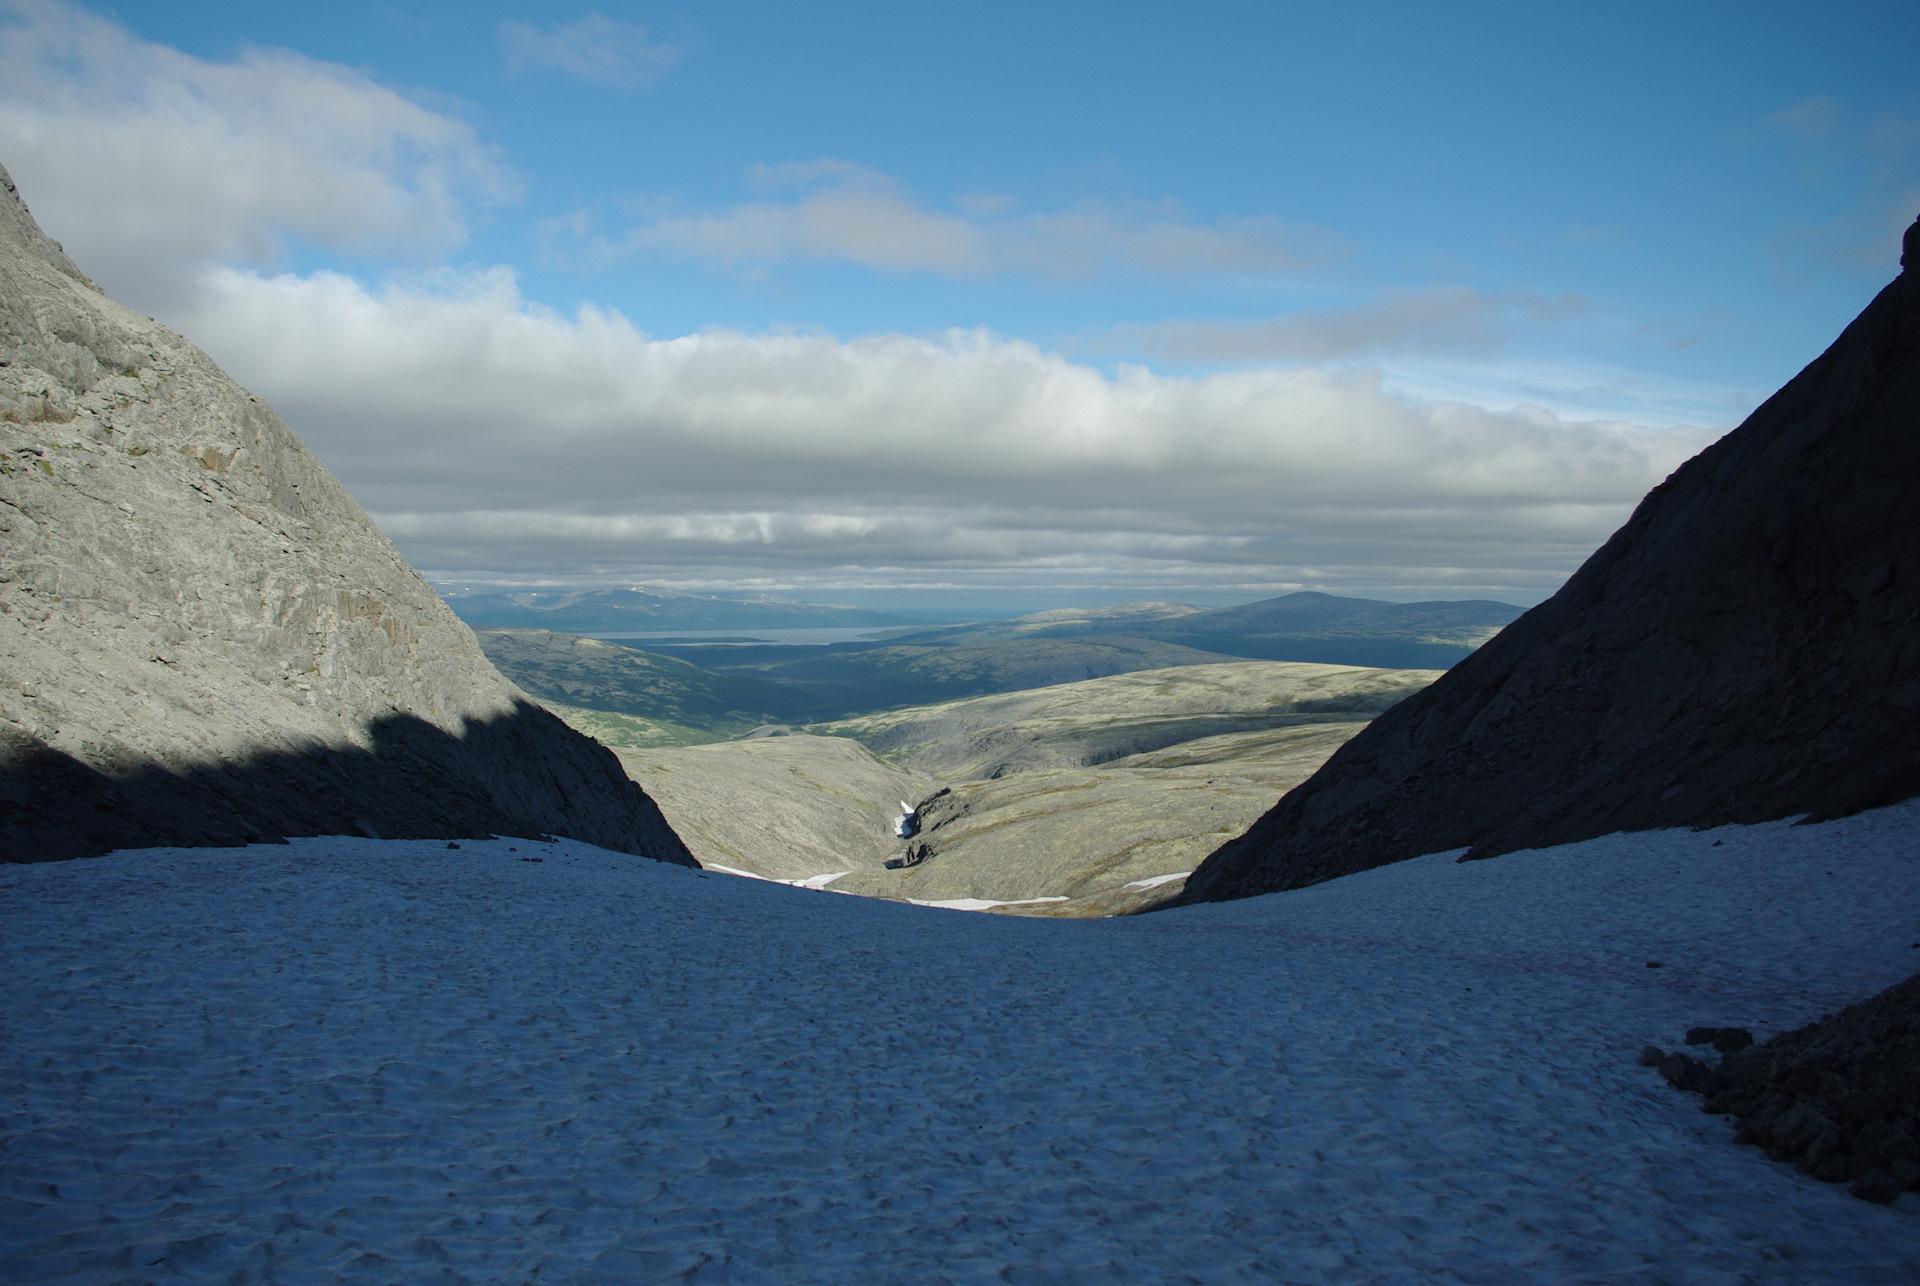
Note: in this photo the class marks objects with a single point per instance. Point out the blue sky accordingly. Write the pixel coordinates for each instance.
(1021, 305)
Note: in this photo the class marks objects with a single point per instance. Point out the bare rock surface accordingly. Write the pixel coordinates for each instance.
(1746, 648)
(204, 640)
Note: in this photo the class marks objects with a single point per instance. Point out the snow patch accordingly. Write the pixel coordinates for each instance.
(979, 904)
(811, 882)
(1155, 881)
(345, 1056)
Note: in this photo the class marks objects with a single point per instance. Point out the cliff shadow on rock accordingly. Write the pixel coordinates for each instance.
(1746, 648)
(418, 781)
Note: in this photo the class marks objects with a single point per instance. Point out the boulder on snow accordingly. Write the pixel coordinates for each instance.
(1839, 1098)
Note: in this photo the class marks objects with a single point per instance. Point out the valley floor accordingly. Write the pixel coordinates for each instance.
(352, 1060)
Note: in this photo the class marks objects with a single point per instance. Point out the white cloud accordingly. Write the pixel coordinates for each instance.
(1439, 321)
(492, 438)
(848, 213)
(148, 163)
(595, 49)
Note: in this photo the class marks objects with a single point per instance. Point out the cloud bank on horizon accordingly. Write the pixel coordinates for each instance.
(1048, 396)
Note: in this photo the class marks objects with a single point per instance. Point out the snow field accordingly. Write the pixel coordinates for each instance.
(352, 1060)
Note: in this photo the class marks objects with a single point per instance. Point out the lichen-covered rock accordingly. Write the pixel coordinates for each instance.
(1745, 648)
(204, 640)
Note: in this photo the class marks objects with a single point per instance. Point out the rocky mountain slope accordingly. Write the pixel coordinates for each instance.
(1746, 648)
(204, 640)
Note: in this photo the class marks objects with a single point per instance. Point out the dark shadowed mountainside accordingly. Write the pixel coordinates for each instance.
(1746, 648)
(1319, 628)
(204, 640)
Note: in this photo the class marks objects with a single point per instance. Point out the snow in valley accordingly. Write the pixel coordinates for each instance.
(353, 1060)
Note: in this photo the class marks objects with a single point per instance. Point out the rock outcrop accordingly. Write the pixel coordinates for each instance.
(1746, 648)
(204, 640)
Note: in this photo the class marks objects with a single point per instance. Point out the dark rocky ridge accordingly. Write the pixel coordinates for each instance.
(1840, 1098)
(204, 640)
(1745, 648)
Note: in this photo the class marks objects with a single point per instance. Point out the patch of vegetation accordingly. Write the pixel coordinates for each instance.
(712, 690)
(845, 680)
(630, 731)
(589, 674)
(1085, 724)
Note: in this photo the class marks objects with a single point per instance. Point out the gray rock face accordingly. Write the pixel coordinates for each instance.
(204, 640)
(1746, 648)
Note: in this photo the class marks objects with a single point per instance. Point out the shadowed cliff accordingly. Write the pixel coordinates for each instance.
(416, 782)
(204, 639)
(1746, 648)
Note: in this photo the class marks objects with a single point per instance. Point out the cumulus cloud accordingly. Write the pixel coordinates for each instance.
(495, 439)
(492, 438)
(229, 161)
(595, 49)
(834, 210)
(1446, 321)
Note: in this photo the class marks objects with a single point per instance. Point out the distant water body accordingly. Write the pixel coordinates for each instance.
(809, 637)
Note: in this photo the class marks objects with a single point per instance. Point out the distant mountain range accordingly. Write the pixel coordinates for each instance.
(605, 611)
(725, 690)
(1320, 628)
